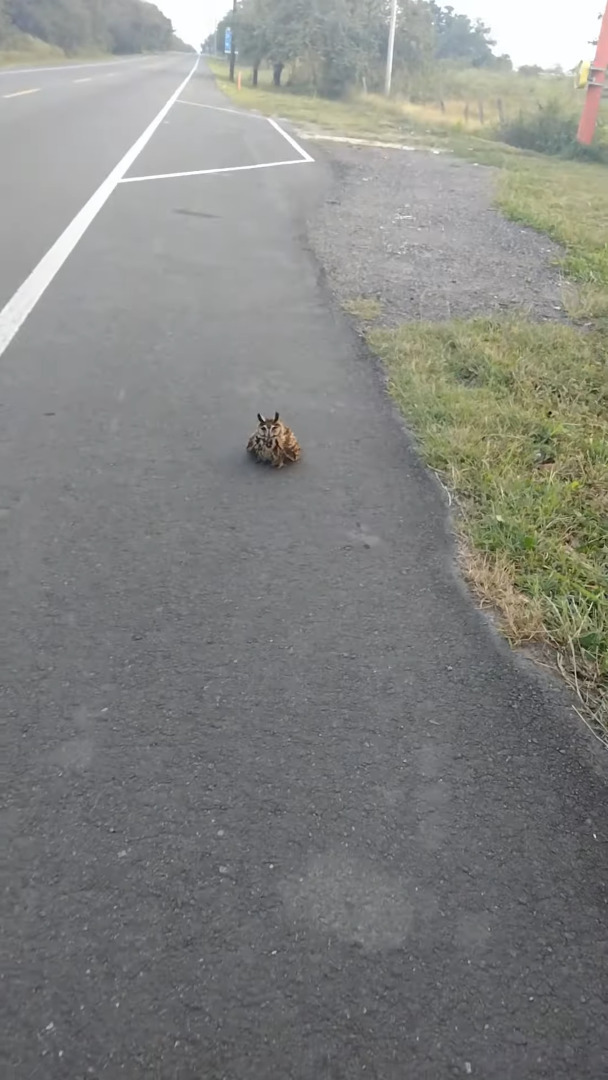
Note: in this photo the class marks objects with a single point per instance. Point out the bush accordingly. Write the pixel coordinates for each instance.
(550, 130)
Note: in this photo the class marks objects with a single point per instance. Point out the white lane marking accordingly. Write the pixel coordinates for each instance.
(219, 108)
(213, 172)
(254, 116)
(292, 142)
(87, 78)
(16, 311)
(21, 93)
(317, 137)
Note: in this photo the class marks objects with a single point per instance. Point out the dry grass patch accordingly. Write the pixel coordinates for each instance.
(366, 309)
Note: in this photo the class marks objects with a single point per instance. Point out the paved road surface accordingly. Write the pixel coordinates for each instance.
(61, 131)
(279, 803)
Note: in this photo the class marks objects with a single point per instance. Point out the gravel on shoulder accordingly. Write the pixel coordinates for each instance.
(418, 231)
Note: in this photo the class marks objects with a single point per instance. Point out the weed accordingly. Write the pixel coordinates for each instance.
(364, 308)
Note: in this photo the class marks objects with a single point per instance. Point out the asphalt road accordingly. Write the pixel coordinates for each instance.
(62, 130)
(279, 803)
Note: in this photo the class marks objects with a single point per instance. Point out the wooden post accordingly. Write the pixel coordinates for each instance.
(595, 87)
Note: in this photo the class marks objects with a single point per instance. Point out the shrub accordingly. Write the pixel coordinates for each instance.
(549, 130)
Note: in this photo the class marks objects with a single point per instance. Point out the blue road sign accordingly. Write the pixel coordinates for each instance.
(227, 40)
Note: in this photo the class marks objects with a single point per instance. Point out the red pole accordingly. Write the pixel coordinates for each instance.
(595, 89)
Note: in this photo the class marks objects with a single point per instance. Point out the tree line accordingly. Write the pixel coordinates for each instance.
(338, 44)
(114, 26)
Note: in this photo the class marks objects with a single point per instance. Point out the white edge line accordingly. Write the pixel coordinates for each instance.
(292, 142)
(21, 93)
(16, 311)
(219, 108)
(212, 172)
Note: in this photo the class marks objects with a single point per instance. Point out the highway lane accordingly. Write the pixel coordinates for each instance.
(60, 137)
(279, 803)
(13, 77)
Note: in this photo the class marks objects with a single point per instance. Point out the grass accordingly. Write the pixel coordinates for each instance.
(368, 117)
(569, 202)
(451, 108)
(24, 49)
(514, 418)
(364, 308)
(513, 415)
(46, 55)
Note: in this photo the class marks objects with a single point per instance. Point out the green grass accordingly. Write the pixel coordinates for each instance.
(569, 202)
(18, 48)
(516, 92)
(44, 56)
(365, 117)
(364, 308)
(512, 415)
(436, 113)
(23, 50)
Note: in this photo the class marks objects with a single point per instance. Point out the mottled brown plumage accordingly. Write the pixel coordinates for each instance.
(273, 443)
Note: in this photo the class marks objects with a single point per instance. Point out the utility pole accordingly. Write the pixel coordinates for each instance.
(391, 48)
(232, 46)
(596, 86)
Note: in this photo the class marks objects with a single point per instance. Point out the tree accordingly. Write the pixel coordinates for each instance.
(254, 33)
(415, 38)
(338, 44)
(457, 38)
(120, 26)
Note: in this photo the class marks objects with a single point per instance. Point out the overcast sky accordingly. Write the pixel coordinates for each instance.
(531, 31)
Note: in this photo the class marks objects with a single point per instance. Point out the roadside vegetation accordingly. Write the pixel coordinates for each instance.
(511, 414)
(514, 417)
(49, 31)
(447, 76)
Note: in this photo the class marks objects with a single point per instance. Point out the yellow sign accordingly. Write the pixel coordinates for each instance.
(582, 75)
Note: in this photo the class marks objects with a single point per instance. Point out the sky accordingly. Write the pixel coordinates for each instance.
(531, 31)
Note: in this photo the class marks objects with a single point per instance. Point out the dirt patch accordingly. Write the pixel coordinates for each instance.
(418, 232)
